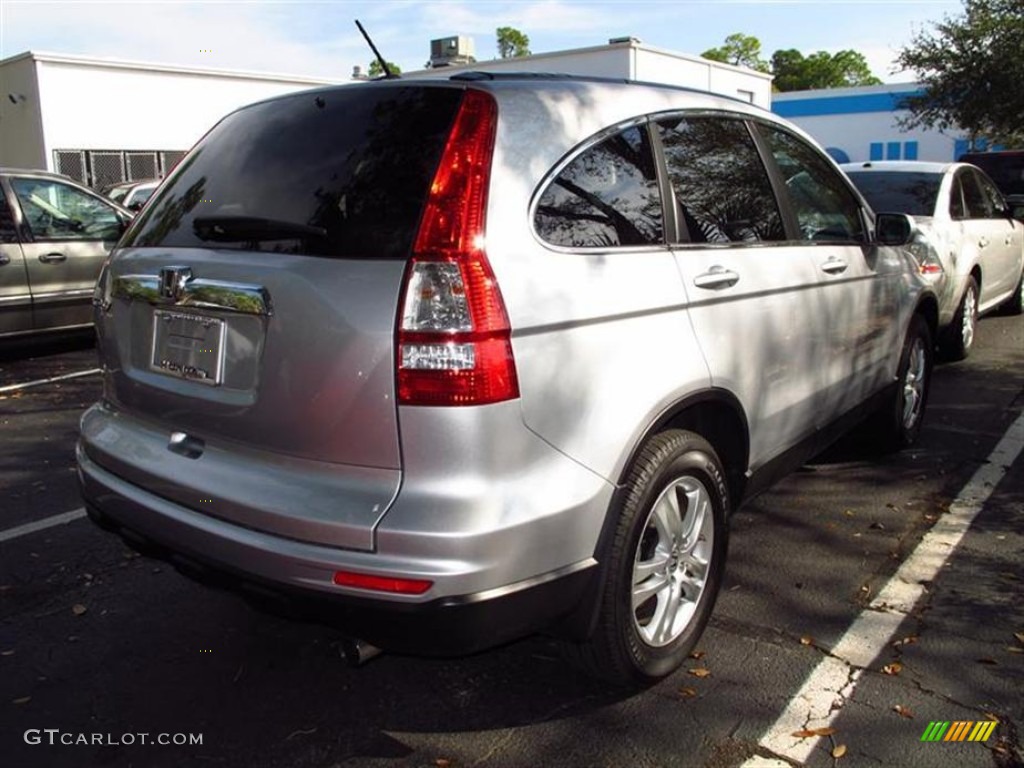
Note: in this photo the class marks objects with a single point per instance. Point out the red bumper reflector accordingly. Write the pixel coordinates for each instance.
(382, 583)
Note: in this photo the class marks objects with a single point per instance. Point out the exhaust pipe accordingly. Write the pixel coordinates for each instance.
(357, 652)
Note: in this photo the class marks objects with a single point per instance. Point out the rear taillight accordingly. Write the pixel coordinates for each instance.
(454, 340)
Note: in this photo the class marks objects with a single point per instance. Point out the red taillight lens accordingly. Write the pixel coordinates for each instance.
(382, 583)
(454, 338)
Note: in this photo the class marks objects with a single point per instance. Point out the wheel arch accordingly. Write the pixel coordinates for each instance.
(716, 415)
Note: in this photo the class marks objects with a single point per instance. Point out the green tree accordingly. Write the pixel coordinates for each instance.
(512, 43)
(741, 50)
(971, 68)
(376, 70)
(795, 72)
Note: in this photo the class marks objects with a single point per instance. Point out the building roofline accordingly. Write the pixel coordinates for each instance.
(109, 63)
(626, 44)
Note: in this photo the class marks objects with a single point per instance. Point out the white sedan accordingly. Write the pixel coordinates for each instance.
(968, 242)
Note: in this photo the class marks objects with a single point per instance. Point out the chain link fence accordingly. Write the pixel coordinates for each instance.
(101, 169)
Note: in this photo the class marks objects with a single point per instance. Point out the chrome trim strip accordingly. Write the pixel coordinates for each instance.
(21, 300)
(203, 294)
(77, 293)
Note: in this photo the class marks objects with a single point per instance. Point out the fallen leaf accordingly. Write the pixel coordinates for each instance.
(849, 512)
(806, 640)
(876, 527)
(700, 672)
(808, 733)
(22, 700)
(990, 716)
(442, 763)
(892, 669)
(78, 609)
(1019, 636)
(687, 692)
(908, 640)
(1014, 649)
(8, 652)
(987, 660)
(839, 751)
(697, 655)
(902, 711)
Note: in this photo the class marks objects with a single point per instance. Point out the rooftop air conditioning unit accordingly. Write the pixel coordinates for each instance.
(449, 51)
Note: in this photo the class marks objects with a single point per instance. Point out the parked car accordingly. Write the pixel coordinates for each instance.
(1006, 169)
(54, 236)
(451, 362)
(133, 194)
(969, 243)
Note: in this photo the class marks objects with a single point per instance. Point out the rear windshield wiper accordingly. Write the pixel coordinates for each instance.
(226, 229)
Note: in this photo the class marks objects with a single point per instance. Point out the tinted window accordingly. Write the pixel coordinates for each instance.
(899, 192)
(8, 232)
(721, 189)
(336, 173)
(956, 199)
(825, 207)
(1005, 169)
(988, 189)
(605, 197)
(979, 206)
(57, 211)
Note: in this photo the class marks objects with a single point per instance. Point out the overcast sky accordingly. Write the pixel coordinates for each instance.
(319, 38)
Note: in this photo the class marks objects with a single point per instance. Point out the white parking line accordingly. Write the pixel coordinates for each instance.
(818, 703)
(27, 384)
(42, 525)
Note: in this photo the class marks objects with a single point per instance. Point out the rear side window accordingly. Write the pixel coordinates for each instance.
(608, 196)
(825, 208)
(979, 206)
(341, 173)
(721, 188)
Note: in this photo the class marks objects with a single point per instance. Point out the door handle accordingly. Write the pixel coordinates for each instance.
(834, 266)
(52, 258)
(716, 278)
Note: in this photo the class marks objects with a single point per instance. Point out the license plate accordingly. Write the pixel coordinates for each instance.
(188, 346)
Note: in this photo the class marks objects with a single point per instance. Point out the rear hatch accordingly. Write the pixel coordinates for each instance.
(250, 309)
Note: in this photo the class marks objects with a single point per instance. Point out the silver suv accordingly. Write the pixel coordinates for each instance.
(451, 362)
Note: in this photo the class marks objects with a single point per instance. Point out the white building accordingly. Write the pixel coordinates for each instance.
(629, 59)
(102, 121)
(858, 124)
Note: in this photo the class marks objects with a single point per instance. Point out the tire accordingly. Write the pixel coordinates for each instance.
(664, 564)
(899, 422)
(1015, 305)
(960, 336)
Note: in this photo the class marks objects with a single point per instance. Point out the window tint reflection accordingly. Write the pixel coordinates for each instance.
(608, 196)
(721, 188)
(826, 209)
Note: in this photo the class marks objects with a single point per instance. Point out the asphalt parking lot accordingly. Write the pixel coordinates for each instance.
(865, 599)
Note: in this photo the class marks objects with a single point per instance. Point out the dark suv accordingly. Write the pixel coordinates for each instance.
(450, 362)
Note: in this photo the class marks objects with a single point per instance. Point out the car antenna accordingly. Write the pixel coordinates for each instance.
(388, 74)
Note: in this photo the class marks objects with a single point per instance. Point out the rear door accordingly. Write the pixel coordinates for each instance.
(753, 296)
(15, 297)
(69, 234)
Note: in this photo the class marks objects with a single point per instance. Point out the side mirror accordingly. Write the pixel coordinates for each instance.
(136, 206)
(894, 229)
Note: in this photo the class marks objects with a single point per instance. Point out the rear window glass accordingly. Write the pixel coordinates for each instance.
(340, 173)
(898, 192)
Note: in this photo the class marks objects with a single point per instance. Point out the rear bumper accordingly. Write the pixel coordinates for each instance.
(294, 578)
